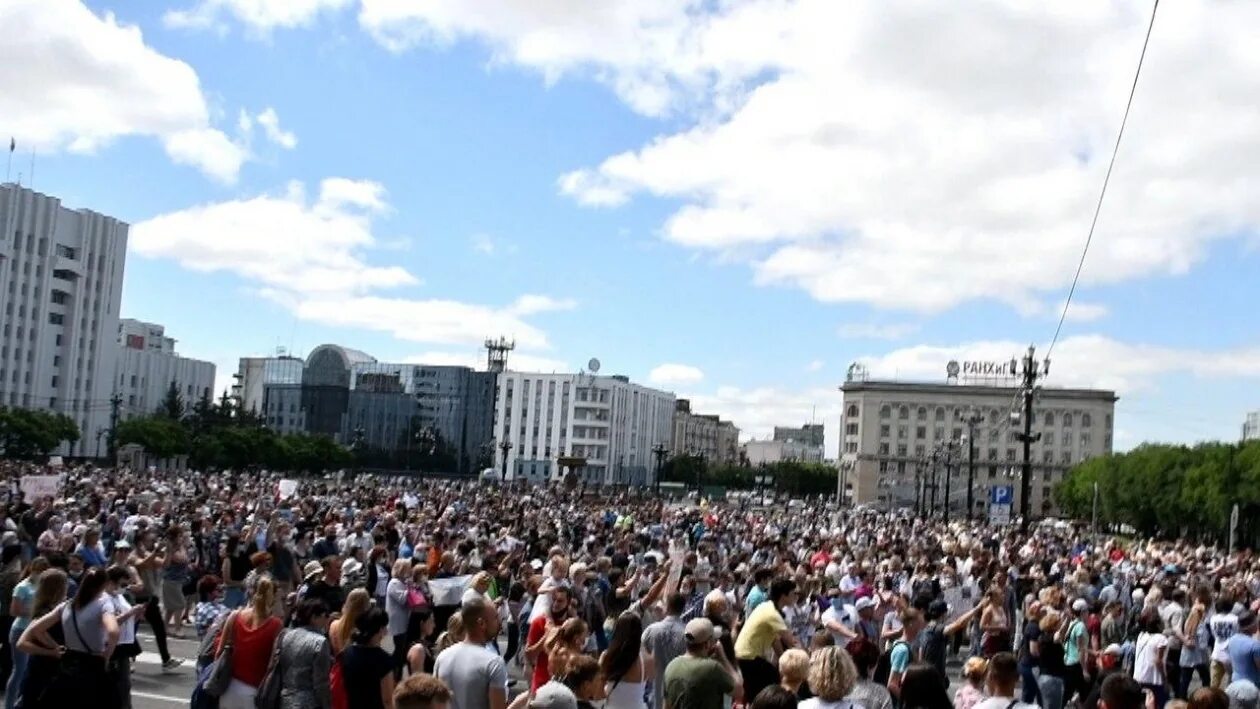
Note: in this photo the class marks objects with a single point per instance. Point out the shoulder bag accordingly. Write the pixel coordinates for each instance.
(219, 674)
(268, 696)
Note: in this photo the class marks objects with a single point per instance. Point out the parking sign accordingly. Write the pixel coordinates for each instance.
(1002, 495)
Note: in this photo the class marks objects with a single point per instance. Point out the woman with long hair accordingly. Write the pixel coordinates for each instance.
(1195, 650)
(91, 631)
(176, 573)
(42, 640)
(420, 655)
(89, 636)
(995, 625)
(306, 660)
(1052, 678)
(340, 630)
(624, 664)
(367, 669)
(253, 632)
(22, 609)
(567, 641)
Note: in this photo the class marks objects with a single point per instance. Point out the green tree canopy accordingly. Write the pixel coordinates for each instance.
(27, 434)
(1167, 490)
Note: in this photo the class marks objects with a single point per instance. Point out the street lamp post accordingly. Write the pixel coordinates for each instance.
(972, 419)
(659, 451)
(505, 447)
(842, 480)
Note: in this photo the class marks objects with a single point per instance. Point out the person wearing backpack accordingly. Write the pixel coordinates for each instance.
(901, 654)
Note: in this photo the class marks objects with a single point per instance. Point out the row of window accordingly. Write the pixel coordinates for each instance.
(993, 416)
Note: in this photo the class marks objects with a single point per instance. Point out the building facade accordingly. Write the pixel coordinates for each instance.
(148, 365)
(891, 429)
(704, 435)
(61, 273)
(607, 423)
(775, 451)
(352, 398)
(811, 434)
(254, 374)
(1251, 427)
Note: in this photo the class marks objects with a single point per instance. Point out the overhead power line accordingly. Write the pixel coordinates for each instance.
(1106, 180)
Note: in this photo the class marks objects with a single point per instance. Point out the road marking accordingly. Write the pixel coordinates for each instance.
(153, 658)
(159, 697)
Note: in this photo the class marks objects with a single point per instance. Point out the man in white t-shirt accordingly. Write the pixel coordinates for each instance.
(1224, 625)
(839, 619)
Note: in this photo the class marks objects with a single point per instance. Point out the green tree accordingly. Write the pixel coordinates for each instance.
(27, 434)
(172, 406)
(158, 435)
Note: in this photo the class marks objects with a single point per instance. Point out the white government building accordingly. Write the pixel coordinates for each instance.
(891, 428)
(61, 274)
(63, 347)
(148, 365)
(610, 423)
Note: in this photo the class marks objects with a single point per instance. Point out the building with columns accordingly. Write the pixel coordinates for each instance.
(890, 430)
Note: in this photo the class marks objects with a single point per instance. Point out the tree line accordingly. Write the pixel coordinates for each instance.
(27, 435)
(792, 477)
(222, 435)
(1170, 490)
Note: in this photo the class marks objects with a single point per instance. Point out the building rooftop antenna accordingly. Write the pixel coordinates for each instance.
(497, 353)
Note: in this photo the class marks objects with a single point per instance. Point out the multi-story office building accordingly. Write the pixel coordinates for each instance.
(892, 428)
(356, 400)
(705, 435)
(811, 434)
(1251, 427)
(254, 374)
(807, 444)
(607, 423)
(772, 451)
(61, 274)
(148, 365)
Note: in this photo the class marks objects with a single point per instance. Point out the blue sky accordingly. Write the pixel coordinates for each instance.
(731, 200)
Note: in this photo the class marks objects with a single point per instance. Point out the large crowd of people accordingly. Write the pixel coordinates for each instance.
(364, 592)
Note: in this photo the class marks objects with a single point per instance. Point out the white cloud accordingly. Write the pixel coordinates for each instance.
(1083, 360)
(336, 192)
(815, 366)
(1083, 312)
(279, 242)
(532, 304)
(270, 123)
(877, 331)
(444, 322)
(208, 150)
(483, 244)
(634, 46)
(667, 374)
(79, 81)
(875, 151)
(311, 258)
(260, 16)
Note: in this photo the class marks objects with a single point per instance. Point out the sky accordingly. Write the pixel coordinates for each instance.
(732, 200)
